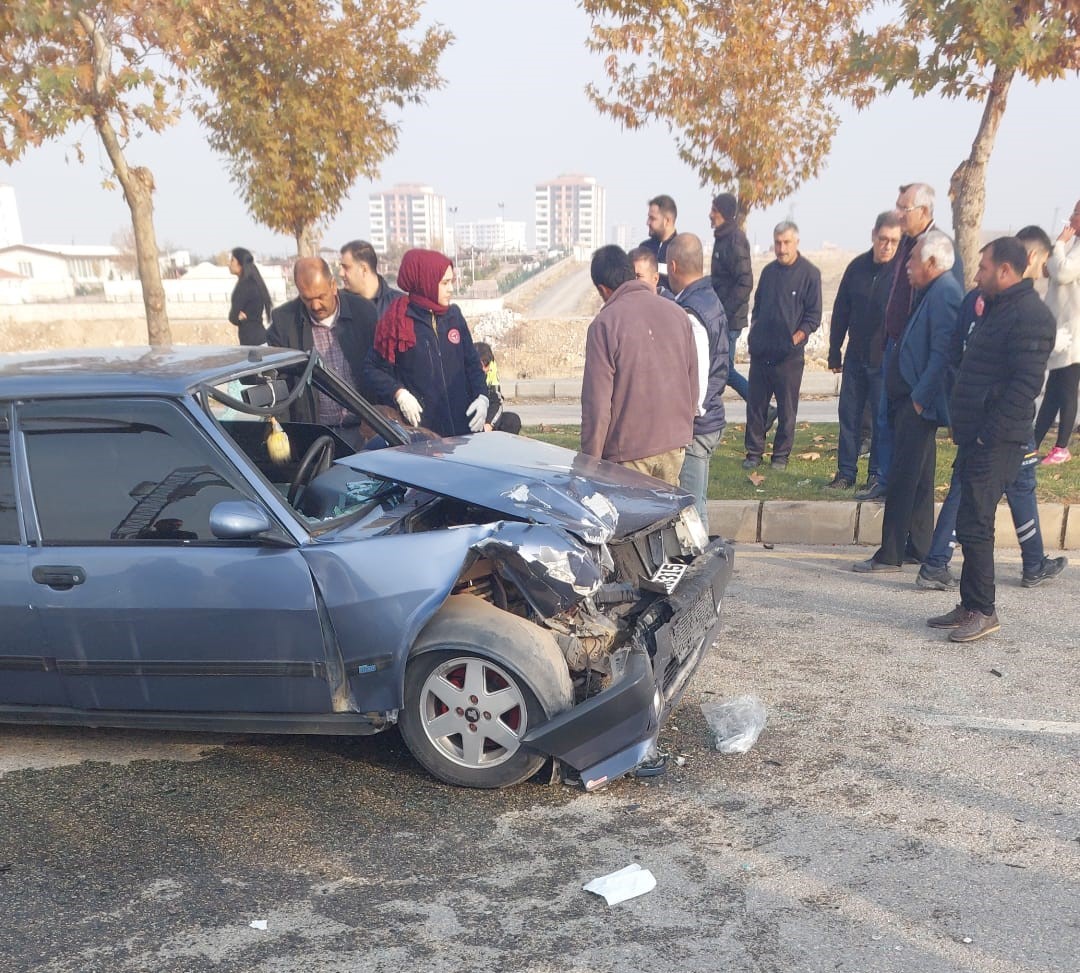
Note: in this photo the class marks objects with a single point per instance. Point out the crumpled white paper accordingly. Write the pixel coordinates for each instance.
(626, 883)
(258, 923)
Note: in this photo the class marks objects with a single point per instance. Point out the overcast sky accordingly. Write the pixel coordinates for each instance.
(513, 113)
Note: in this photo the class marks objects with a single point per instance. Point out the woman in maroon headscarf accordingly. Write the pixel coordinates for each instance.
(423, 360)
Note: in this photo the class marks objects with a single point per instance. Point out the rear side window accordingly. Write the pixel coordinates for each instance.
(9, 516)
(124, 470)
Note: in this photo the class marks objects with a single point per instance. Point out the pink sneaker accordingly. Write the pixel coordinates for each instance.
(1058, 454)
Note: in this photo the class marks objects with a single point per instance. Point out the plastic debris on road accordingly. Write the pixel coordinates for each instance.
(735, 723)
(626, 883)
(258, 924)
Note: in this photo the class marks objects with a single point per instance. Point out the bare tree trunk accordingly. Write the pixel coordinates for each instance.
(967, 187)
(138, 186)
(308, 241)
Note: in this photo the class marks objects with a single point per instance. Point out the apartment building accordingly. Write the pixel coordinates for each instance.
(410, 214)
(570, 212)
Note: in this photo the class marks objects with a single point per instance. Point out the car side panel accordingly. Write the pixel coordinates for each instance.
(186, 628)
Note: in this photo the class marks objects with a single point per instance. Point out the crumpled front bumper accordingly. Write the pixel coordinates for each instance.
(613, 732)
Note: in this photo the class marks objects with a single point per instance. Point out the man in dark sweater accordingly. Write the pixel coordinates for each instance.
(915, 206)
(732, 277)
(360, 273)
(992, 408)
(858, 315)
(787, 310)
(660, 223)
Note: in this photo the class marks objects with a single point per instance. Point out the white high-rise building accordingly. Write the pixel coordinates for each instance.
(494, 236)
(10, 227)
(570, 212)
(622, 235)
(408, 213)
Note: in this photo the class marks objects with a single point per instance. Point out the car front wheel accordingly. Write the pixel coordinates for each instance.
(472, 691)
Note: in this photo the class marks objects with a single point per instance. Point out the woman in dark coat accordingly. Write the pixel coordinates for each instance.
(423, 360)
(250, 298)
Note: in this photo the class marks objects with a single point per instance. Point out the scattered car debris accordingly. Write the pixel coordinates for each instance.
(626, 883)
(735, 723)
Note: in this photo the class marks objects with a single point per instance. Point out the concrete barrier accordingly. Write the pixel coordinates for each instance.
(735, 520)
(808, 522)
(1071, 531)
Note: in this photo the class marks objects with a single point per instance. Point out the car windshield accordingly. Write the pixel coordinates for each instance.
(292, 424)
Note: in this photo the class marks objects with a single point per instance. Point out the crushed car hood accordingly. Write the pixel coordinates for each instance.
(530, 480)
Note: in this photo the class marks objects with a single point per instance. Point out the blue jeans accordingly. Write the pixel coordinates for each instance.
(881, 448)
(734, 379)
(859, 383)
(1025, 514)
(694, 477)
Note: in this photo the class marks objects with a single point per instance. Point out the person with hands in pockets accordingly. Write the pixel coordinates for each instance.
(423, 360)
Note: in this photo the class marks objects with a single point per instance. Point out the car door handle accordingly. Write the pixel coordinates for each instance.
(62, 577)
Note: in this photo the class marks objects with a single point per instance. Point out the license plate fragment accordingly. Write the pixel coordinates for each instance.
(666, 577)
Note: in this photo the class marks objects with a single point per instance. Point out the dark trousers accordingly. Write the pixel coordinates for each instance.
(908, 522)
(985, 472)
(1060, 396)
(782, 380)
(882, 447)
(860, 384)
(1025, 514)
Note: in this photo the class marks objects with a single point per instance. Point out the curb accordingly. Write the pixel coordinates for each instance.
(843, 523)
(813, 383)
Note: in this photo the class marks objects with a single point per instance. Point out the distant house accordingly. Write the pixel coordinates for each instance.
(11, 287)
(57, 271)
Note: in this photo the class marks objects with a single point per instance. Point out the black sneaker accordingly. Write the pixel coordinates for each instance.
(935, 579)
(779, 464)
(874, 490)
(864, 448)
(1051, 567)
(770, 417)
(839, 482)
(751, 462)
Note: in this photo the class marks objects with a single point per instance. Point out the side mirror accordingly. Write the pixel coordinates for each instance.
(233, 520)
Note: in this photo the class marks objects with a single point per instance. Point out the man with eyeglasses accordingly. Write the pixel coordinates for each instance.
(858, 314)
(915, 204)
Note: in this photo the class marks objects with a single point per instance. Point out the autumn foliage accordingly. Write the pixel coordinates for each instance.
(747, 90)
(297, 97)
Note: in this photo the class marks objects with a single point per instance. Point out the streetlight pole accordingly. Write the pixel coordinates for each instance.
(453, 224)
(502, 235)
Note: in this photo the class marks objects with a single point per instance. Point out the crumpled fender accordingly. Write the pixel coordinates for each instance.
(552, 569)
(380, 593)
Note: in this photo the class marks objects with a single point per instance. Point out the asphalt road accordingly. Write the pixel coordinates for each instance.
(565, 297)
(911, 807)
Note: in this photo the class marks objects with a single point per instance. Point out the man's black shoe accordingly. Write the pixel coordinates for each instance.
(779, 464)
(874, 490)
(1051, 567)
(770, 417)
(751, 462)
(864, 448)
(935, 579)
(839, 482)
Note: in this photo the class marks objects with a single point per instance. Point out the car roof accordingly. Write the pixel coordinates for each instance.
(138, 370)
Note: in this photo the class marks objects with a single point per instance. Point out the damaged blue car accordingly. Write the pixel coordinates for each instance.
(179, 550)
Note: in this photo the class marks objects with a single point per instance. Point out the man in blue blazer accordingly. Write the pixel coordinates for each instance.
(917, 384)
